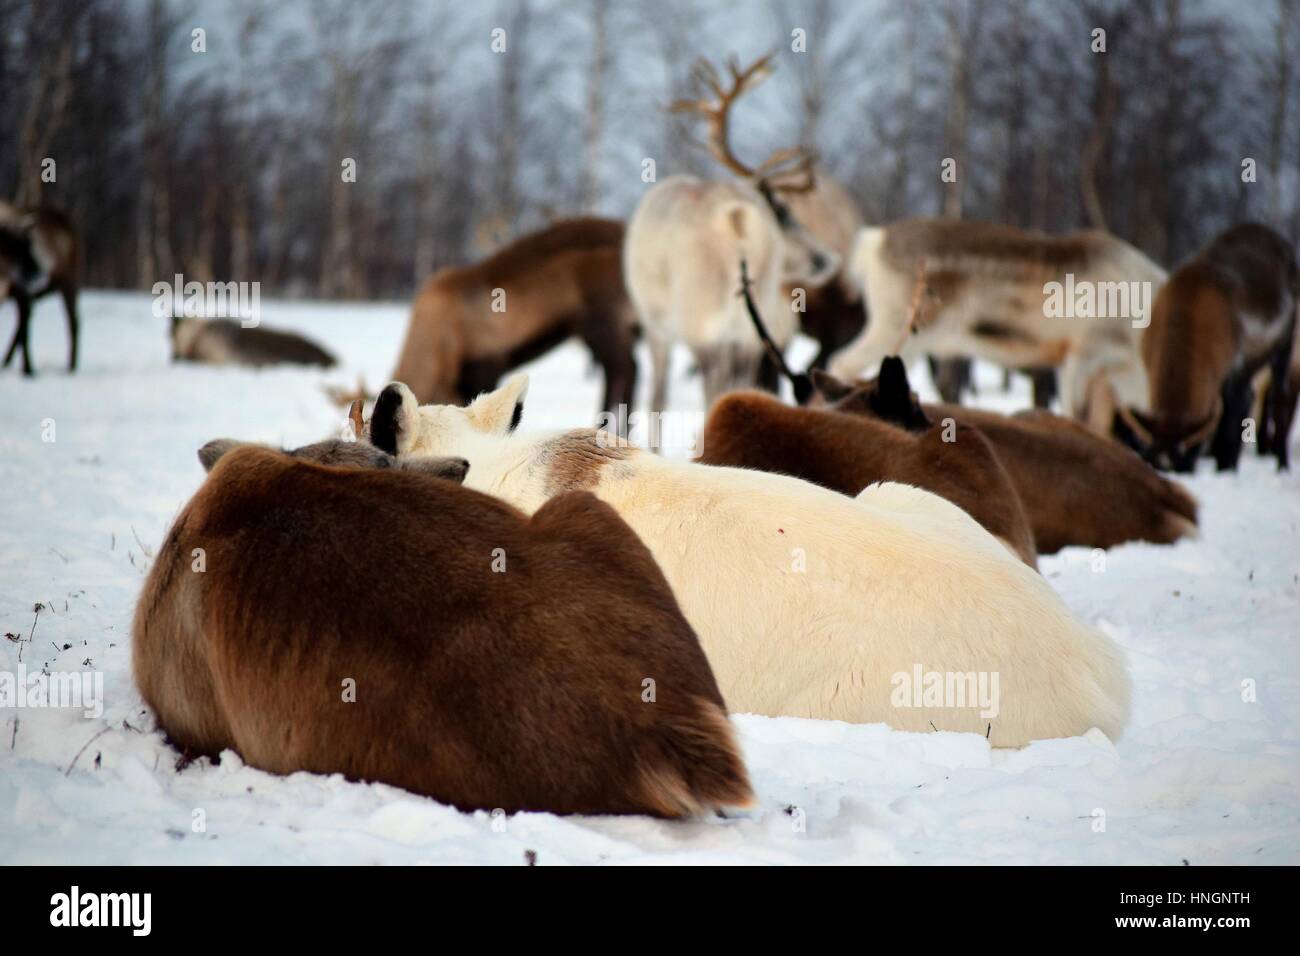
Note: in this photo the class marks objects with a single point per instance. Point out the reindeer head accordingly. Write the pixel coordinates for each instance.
(1169, 443)
(804, 258)
(346, 454)
(401, 427)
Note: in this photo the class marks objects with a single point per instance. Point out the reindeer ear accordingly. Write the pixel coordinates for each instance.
(393, 419)
(499, 412)
(452, 469)
(893, 400)
(892, 380)
(211, 453)
(736, 220)
(831, 388)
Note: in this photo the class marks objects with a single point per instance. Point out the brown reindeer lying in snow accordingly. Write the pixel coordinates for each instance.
(1222, 317)
(1077, 487)
(848, 453)
(472, 324)
(227, 342)
(395, 627)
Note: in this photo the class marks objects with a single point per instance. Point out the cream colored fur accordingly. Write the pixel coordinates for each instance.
(681, 263)
(1098, 357)
(831, 214)
(807, 602)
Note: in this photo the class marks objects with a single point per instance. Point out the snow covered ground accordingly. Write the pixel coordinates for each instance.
(1208, 771)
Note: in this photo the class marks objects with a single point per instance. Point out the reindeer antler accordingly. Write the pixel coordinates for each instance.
(715, 108)
(803, 178)
(354, 416)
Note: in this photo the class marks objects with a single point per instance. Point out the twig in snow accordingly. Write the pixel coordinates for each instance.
(14, 738)
(83, 749)
(143, 546)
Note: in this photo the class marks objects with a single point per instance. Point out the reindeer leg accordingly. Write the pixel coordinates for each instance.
(1044, 379)
(611, 344)
(1226, 445)
(18, 331)
(21, 334)
(69, 293)
(661, 359)
(715, 368)
(951, 376)
(1284, 390)
(862, 356)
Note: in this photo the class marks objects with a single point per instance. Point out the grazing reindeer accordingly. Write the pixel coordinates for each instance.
(227, 342)
(808, 603)
(1077, 487)
(397, 653)
(472, 324)
(38, 255)
(1000, 293)
(686, 237)
(1222, 316)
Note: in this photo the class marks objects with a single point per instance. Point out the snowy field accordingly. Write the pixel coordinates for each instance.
(1208, 771)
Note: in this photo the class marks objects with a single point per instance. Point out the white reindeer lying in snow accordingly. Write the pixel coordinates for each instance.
(808, 603)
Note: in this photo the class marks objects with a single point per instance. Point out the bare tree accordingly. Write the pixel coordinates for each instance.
(597, 80)
(51, 34)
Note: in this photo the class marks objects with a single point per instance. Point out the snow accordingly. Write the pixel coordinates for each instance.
(1206, 772)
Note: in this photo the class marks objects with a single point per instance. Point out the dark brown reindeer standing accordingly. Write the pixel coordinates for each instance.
(430, 637)
(39, 255)
(472, 324)
(1223, 316)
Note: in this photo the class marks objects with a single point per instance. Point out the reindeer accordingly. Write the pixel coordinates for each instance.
(754, 430)
(431, 637)
(686, 237)
(808, 603)
(999, 293)
(846, 454)
(1224, 315)
(832, 313)
(227, 342)
(39, 254)
(472, 324)
(1077, 487)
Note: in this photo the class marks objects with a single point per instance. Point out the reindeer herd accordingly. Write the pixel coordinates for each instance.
(562, 620)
